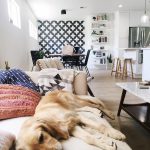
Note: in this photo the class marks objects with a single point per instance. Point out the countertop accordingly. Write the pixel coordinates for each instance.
(132, 49)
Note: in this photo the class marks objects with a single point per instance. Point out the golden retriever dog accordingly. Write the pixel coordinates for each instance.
(61, 114)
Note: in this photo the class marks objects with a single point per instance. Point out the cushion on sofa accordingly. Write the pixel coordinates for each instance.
(52, 79)
(17, 101)
(59, 64)
(6, 140)
(3, 77)
(18, 77)
(41, 63)
(49, 63)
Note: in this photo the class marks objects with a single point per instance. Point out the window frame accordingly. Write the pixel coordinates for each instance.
(14, 13)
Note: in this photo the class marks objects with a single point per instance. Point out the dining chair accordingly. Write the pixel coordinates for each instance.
(70, 61)
(84, 64)
(76, 50)
(35, 55)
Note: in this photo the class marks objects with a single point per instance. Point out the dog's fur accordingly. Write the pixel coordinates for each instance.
(61, 114)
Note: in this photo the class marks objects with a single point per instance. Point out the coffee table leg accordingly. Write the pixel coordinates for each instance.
(121, 101)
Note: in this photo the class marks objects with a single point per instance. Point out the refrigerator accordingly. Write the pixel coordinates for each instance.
(139, 37)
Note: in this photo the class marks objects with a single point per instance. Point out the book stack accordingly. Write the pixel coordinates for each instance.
(144, 85)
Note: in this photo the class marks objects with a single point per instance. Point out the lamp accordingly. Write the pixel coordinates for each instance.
(63, 11)
(145, 17)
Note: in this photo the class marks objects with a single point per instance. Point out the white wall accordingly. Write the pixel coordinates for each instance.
(15, 43)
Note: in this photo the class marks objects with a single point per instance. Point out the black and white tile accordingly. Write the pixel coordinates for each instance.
(54, 34)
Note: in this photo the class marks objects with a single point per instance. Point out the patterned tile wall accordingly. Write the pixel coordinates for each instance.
(53, 35)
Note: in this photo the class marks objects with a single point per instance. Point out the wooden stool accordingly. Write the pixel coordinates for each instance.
(116, 67)
(125, 70)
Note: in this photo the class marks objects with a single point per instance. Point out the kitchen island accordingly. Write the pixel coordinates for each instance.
(137, 59)
(146, 64)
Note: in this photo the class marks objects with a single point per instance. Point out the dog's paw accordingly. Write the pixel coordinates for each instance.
(106, 144)
(115, 134)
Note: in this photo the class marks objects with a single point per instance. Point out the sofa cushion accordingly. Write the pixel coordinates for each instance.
(18, 77)
(49, 63)
(53, 79)
(17, 101)
(41, 63)
(3, 77)
(6, 140)
(59, 64)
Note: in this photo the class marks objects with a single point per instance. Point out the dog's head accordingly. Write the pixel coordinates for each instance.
(37, 136)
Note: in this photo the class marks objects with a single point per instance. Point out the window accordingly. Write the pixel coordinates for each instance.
(14, 13)
(32, 30)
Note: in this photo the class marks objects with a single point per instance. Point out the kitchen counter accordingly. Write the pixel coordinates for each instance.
(131, 49)
(146, 64)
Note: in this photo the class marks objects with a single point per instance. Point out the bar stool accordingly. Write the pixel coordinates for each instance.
(116, 67)
(127, 61)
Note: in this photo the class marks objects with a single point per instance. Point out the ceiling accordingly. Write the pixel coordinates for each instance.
(50, 9)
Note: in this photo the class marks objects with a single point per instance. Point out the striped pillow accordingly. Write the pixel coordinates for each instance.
(17, 101)
(3, 77)
(18, 77)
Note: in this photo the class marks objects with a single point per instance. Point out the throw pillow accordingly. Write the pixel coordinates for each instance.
(59, 64)
(18, 77)
(50, 63)
(53, 79)
(3, 77)
(41, 63)
(6, 140)
(17, 101)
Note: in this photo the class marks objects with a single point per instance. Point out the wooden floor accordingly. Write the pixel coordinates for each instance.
(103, 86)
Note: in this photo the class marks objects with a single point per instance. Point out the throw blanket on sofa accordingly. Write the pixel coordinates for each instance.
(52, 79)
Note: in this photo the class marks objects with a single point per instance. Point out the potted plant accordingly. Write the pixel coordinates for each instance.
(40, 54)
(109, 58)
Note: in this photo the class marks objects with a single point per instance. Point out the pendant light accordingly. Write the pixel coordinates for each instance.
(145, 17)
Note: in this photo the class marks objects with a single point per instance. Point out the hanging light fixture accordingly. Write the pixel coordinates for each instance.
(145, 17)
(63, 12)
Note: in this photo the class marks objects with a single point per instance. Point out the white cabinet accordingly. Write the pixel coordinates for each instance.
(146, 65)
(99, 59)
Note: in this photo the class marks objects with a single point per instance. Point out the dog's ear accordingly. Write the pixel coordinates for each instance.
(41, 138)
(56, 130)
(59, 132)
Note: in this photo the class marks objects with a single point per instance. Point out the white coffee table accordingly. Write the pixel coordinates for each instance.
(140, 112)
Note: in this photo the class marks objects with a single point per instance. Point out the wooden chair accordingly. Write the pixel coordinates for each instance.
(126, 62)
(116, 67)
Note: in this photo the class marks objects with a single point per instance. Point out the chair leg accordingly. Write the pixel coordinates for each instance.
(87, 71)
(90, 91)
(112, 68)
(131, 68)
(32, 68)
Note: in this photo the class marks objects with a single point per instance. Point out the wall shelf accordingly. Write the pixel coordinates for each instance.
(101, 38)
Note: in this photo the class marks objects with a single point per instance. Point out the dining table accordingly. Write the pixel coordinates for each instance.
(73, 60)
(61, 55)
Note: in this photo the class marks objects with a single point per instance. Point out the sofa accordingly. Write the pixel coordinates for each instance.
(80, 88)
(48, 63)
